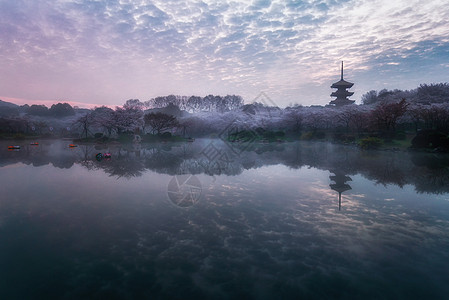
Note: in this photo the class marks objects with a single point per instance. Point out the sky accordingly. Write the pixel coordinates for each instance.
(105, 52)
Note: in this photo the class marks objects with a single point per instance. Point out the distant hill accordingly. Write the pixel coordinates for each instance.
(8, 104)
(8, 109)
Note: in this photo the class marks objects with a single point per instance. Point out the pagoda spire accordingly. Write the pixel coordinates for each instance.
(341, 70)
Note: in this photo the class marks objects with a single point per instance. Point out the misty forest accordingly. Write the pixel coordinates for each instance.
(416, 118)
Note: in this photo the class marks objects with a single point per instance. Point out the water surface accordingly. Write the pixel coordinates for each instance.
(211, 220)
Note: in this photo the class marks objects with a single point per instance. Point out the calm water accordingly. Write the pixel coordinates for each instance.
(210, 220)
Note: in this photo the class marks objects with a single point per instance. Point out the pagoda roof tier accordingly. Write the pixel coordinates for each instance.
(339, 178)
(340, 187)
(342, 83)
(339, 102)
(342, 93)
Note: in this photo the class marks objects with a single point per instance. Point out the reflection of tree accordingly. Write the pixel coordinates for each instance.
(123, 164)
(43, 154)
(124, 168)
(436, 182)
(431, 173)
(163, 162)
(295, 160)
(85, 157)
(387, 170)
(427, 172)
(62, 163)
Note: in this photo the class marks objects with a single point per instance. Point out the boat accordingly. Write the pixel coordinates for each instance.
(13, 147)
(72, 145)
(34, 144)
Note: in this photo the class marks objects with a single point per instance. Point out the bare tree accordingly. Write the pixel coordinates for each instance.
(160, 122)
(84, 122)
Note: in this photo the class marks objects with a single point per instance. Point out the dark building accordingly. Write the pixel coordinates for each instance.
(341, 93)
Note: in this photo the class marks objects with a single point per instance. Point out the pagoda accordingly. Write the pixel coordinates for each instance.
(341, 93)
(340, 184)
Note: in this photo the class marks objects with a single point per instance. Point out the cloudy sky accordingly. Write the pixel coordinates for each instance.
(108, 51)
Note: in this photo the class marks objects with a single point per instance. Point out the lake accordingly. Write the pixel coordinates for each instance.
(209, 219)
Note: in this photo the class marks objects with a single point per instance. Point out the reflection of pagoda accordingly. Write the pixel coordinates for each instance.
(341, 93)
(340, 184)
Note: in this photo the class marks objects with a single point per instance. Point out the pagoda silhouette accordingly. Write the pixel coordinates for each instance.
(341, 93)
(340, 184)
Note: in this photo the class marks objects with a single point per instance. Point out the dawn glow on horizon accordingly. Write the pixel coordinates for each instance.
(105, 52)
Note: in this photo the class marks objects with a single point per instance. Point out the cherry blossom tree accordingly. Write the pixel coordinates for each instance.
(127, 119)
(104, 117)
(386, 115)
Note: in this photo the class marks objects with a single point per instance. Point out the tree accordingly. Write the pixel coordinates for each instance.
(433, 93)
(415, 113)
(353, 116)
(104, 117)
(39, 126)
(61, 110)
(6, 111)
(160, 122)
(315, 118)
(38, 110)
(133, 104)
(359, 119)
(127, 119)
(344, 116)
(84, 122)
(386, 115)
(233, 102)
(370, 97)
(294, 119)
(194, 103)
(435, 116)
(13, 125)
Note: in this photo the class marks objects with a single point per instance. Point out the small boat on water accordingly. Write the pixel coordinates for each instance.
(34, 144)
(72, 146)
(13, 147)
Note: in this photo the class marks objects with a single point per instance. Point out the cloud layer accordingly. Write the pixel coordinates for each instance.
(108, 51)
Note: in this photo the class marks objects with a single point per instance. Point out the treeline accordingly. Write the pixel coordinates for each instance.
(34, 119)
(425, 94)
(193, 104)
(58, 110)
(426, 172)
(385, 114)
